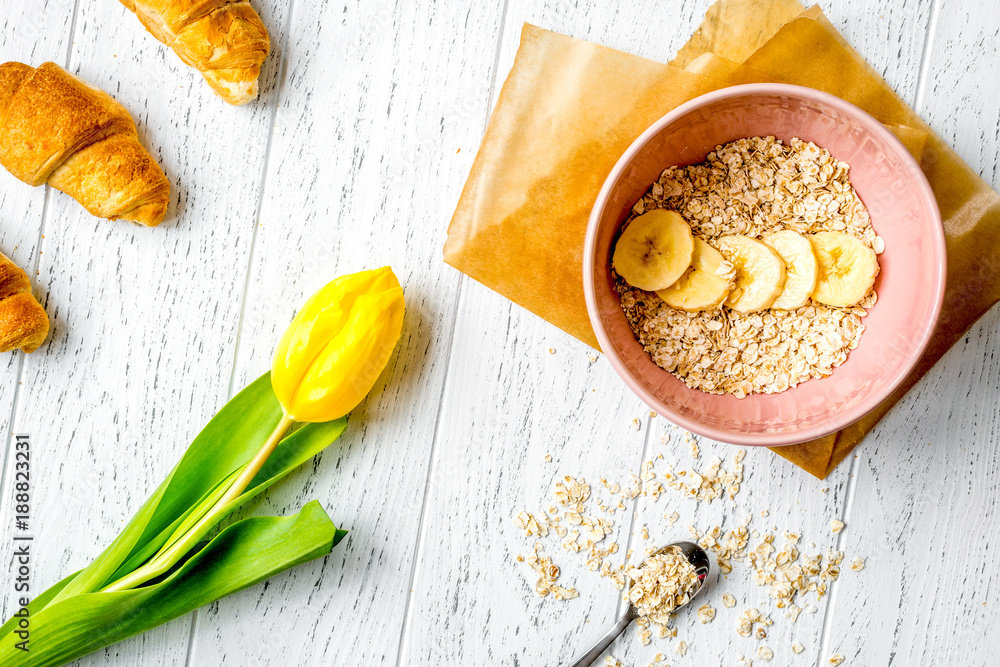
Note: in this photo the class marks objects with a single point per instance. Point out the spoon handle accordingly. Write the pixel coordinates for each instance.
(604, 642)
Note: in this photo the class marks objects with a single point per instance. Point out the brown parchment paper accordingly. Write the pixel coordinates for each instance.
(566, 113)
(569, 108)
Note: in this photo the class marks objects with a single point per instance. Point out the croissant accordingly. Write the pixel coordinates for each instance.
(60, 130)
(225, 40)
(23, 322)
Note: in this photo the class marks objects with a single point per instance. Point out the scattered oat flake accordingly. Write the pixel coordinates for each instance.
(764, 653)
(672, 518)
(572, 493)
(797, 648)
(857, 564)
(729, 601)
(636, 424)
(612, 661)
(836, 525)
(709, 483)
(548, 458)
(745, 623)
(552, 350)
(531, 525)
(706, 613)
(591, 357)
(825, 489)
(548, 573)
(653, 414)
(765, 513)
(682, 648)
(836, 659)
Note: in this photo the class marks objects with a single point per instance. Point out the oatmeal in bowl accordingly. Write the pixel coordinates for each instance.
(783, 272)
(781, 278)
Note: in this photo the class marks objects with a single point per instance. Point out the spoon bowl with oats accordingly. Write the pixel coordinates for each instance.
(665, 581)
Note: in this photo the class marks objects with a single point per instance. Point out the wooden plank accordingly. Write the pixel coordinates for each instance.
(30, 36)
(889, 33)
(927, 481)
(925, 502)
(372, 139)
(145, 319)
(26, 35)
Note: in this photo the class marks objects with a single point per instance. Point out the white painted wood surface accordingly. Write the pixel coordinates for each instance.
(368, 122)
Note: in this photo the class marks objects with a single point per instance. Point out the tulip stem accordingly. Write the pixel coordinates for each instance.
(165, 560)
(256, 463)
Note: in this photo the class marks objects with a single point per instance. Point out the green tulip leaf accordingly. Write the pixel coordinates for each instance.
(219, 452)
(242, 555)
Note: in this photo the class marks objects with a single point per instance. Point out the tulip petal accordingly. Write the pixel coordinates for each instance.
(317, 323)
(347, 368)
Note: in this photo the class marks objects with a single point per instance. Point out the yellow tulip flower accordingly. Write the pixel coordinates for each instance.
(336, 347)
(327, 361)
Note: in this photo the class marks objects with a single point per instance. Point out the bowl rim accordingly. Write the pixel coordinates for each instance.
(841, 420)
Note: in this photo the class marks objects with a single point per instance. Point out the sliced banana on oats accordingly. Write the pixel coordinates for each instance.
(847, 268)
(703, 286)
(760, 273)
(801, 269)
(654, 250)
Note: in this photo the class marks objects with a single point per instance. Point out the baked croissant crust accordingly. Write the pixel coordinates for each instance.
(57, 129)
(23, 322)
(225, 40)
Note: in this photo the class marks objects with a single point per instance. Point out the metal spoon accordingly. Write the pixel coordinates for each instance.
(698, 559)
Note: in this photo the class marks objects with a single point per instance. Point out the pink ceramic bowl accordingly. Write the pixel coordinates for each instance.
(910, 287)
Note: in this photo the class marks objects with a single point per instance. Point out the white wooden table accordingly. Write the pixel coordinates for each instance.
(369, 120)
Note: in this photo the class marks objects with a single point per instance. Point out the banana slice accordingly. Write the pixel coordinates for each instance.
(800, 268)
(760, 273)
(847, 268)
(654, 250)
(701, 287)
